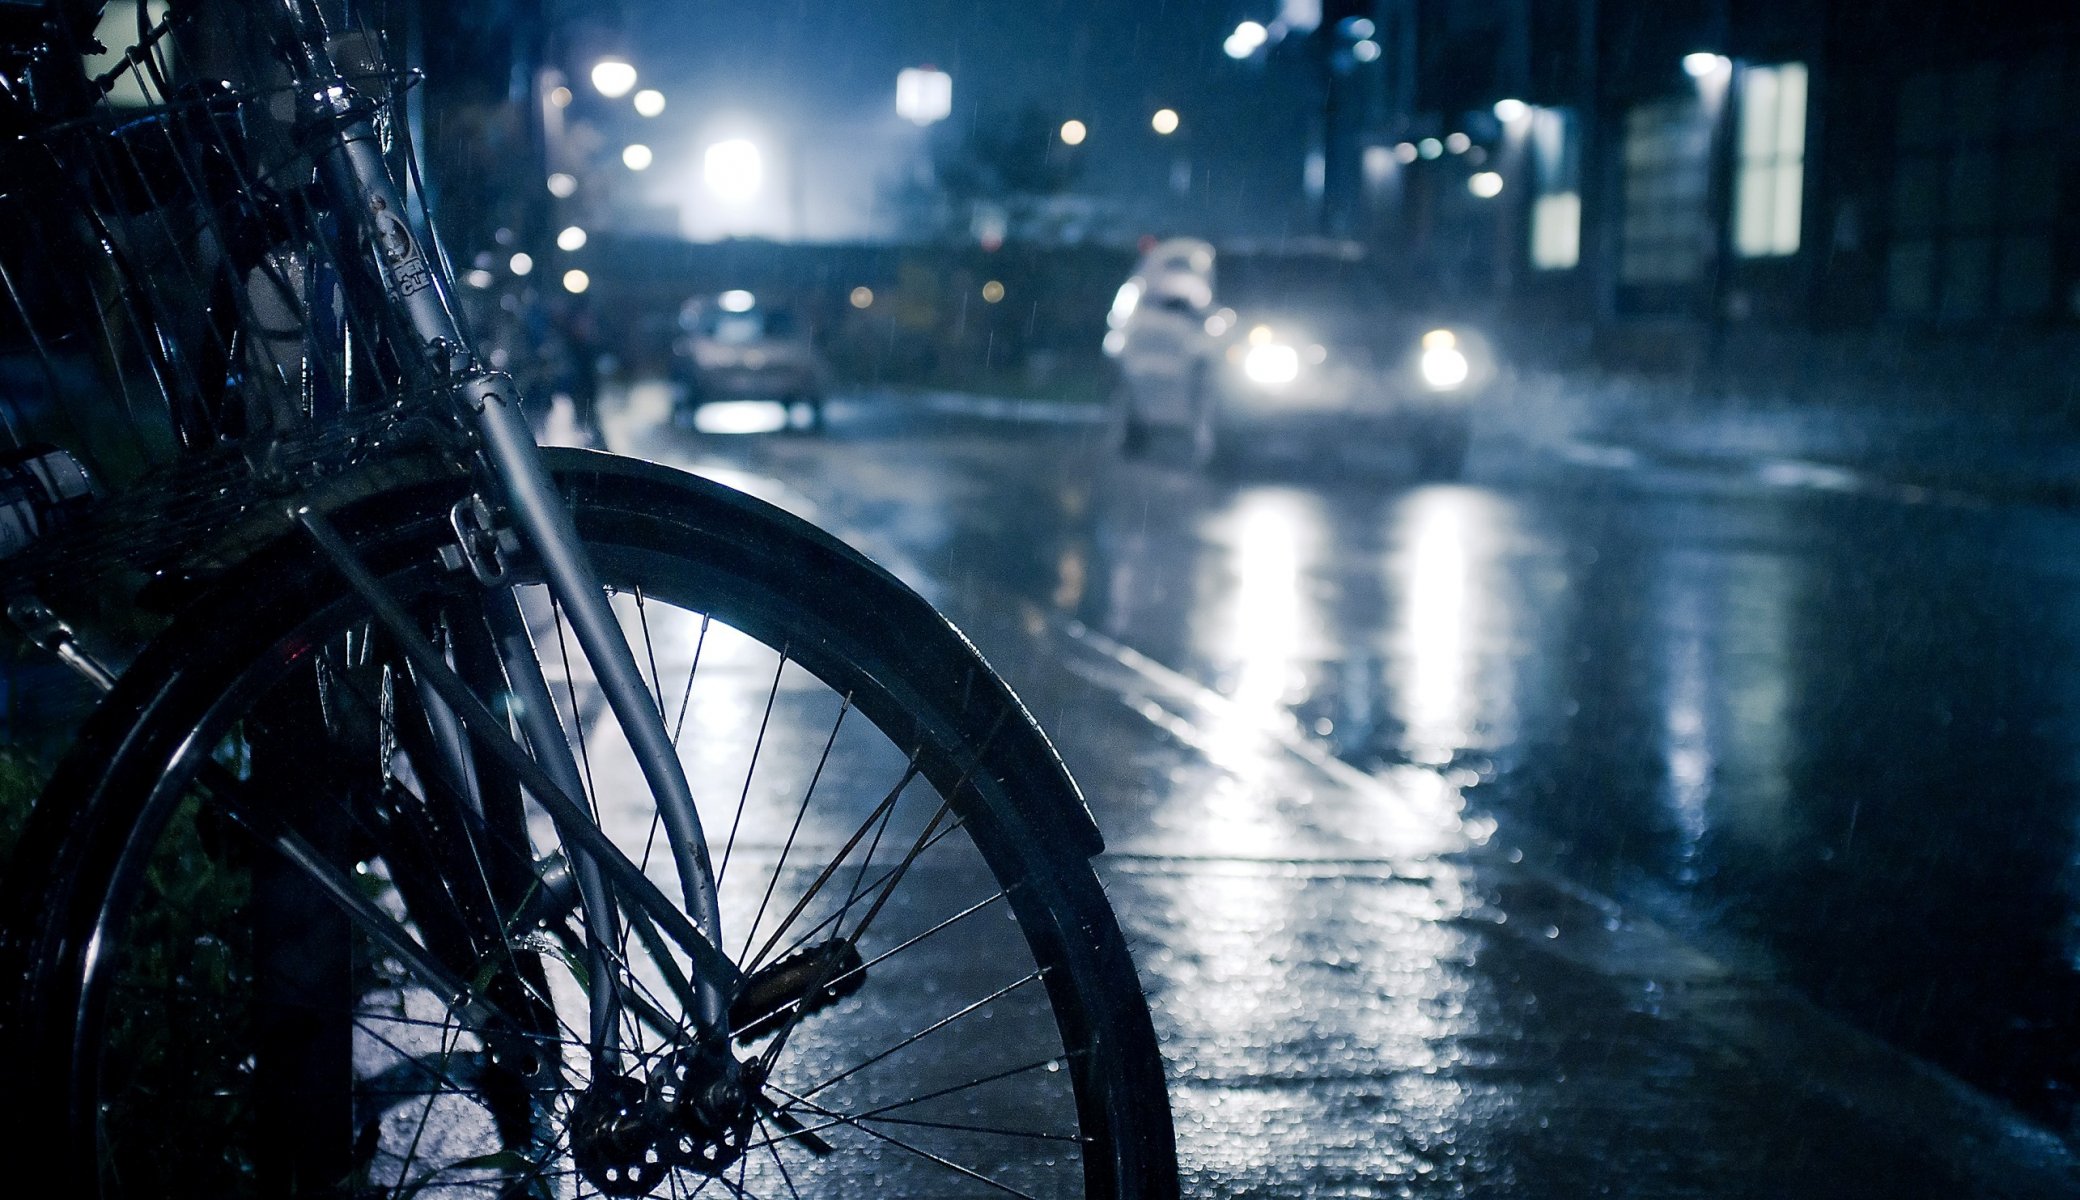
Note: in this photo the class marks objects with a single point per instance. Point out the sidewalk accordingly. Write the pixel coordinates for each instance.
(1844, 439)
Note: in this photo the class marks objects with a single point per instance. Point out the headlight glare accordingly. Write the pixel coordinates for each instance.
(1271, 363)
(1444, 367)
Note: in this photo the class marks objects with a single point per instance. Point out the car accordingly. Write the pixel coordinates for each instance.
(735, 347)
(1248, 346)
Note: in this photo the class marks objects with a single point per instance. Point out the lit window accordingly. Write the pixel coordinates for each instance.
(1556, 208)
(1556, 231)
(1771, 179)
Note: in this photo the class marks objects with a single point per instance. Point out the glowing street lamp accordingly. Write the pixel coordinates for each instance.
(649, 102)
(1165, 121)
(923, 95)
(1246, 40)
(734, 170)
(637, 157)
(1073, 133)
(1703, 64)
(613, 78)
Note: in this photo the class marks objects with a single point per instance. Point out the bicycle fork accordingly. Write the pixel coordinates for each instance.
(353, 173)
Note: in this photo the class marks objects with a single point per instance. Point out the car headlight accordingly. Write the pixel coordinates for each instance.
(1124, 302)
(1271, 363)
(1443, 364)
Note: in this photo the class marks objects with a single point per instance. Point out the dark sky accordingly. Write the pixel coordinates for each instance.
(820, 75)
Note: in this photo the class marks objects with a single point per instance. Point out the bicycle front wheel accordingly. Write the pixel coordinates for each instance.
(275, 867)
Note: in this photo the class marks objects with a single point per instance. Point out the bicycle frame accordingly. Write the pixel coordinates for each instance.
(357, 183)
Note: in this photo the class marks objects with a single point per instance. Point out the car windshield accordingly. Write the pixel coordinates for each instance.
(1311, 283)
(741, 328)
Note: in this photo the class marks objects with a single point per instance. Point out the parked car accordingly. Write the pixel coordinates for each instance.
(736, 348)
(1241, 346)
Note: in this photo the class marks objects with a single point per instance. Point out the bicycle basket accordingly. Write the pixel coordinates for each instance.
(173, 286)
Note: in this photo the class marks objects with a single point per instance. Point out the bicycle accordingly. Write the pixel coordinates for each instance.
(388, 865)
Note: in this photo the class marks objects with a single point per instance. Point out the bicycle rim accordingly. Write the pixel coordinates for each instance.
(987, 1038)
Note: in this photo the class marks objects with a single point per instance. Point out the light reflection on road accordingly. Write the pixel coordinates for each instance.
(1440, 533)
(1696, 695)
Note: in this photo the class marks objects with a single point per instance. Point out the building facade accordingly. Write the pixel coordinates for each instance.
(1685, 182)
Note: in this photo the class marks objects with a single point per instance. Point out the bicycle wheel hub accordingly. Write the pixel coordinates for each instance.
(614, 1138)
(706, 1096)
(696, 1112)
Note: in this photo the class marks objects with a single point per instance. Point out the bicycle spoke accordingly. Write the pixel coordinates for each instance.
(801, 813)
(879, 814)
(577, 726)
(991, 1130)
(686, 697)
(737, 819)
(650, 651)
(808, 933)
(919, 1151)
(940, 1093)
(425, 1115)
(890, 953)
(779, 1163)
(944, 1022)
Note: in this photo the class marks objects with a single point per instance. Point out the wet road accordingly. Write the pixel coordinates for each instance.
(1572, 830)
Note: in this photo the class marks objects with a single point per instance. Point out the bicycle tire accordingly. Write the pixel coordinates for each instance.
(93, 872)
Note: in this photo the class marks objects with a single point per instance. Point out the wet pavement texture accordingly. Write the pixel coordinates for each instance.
(1588, 827)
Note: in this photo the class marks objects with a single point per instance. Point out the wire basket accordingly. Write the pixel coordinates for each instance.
(173, 287)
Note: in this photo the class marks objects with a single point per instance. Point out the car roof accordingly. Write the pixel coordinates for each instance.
(1197, 256)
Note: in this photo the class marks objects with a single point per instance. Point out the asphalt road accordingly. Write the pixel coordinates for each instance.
(1596, 825)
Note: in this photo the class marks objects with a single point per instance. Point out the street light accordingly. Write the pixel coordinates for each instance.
(649, 102)
(1165, 121)
(1246, 40)
(572, 238)
(563, 186)
(1702, 63)
(1507, 111)
(636, 157)
(1073, 133)
(613, 78)
(734, 170)
(1485, 184)
(923, 95)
